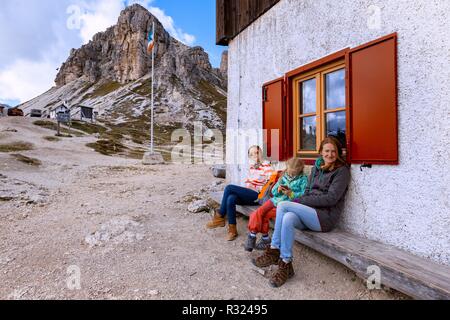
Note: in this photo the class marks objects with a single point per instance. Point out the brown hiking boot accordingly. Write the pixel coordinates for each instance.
(268, 258)
(216, 222)
(232, 232)
(285, 271)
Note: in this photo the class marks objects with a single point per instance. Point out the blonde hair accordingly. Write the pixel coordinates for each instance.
(295, 165)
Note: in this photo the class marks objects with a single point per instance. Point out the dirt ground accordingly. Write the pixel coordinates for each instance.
(126, 229)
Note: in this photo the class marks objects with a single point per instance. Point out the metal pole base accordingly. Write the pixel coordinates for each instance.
(153, 158)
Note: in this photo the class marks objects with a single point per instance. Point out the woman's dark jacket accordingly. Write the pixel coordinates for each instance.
(326, 193)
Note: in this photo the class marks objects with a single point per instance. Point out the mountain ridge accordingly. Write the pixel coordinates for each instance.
(111, 73)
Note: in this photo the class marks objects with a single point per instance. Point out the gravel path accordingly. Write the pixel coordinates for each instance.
(127, 231)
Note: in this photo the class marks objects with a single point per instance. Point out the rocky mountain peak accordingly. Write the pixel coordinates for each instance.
(112, 72)
(119, 53)
(224, 65)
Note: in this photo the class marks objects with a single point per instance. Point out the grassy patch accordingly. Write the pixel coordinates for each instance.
(89, 128)
(210, 96)
(135, 154)
(46, 124)
(52, 139)
(16, 146)
(27, 160)
(105, 89)
(85, 88)
(145, 89)
(54, 126)
(175, 81)
(107, 147)
(209, 92)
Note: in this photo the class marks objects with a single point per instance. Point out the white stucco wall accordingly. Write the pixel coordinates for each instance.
(405, 205)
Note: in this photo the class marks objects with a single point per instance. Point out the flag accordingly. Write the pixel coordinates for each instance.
(151, 41)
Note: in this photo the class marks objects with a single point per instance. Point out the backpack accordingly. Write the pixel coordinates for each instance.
(266, 191)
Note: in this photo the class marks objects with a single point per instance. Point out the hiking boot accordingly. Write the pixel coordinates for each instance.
(250, 243)
(285, 271)
(268, 258)
(263, 244)
(232, 232)
(216, 222)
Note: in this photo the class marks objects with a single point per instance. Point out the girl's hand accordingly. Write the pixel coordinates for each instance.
(288, 193)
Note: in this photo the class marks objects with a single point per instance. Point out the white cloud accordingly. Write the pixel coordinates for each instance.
(169, 25)
(98, 16)
(24, 80)
(45, 33)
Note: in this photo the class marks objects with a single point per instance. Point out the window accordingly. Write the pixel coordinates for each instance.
(350, 94)
(319, 108)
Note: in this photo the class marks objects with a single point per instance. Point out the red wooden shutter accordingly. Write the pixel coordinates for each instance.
(275, 117)
(372, 100)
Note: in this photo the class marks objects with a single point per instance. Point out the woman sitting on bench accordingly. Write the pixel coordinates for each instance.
(259, 173)
(317, 210)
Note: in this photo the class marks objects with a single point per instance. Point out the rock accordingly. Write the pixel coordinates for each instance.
(152, 158)
(198, 206)
(93, 212)
(36, 199)
(259, 270)
(190, 198)
(219, 171)
(117, 230)
(153, 292)
(5, 198)
(224, 65)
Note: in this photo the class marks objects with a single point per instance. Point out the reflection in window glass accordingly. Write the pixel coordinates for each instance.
(308, 134)
(336, 126)
(308, 96)
(335, 89)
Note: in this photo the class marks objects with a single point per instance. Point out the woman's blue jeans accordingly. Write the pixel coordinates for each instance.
(236, 195)
(291, 216)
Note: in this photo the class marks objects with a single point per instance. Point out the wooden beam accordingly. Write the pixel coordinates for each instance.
(415, 276)
(233, 16)
(221, 34)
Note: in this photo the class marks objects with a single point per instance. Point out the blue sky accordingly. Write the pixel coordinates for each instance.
(36, 36)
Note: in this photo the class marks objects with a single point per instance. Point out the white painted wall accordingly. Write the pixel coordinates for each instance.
(406, 205)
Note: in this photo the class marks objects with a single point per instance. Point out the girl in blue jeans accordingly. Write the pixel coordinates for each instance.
(259, 174)
(317, 210)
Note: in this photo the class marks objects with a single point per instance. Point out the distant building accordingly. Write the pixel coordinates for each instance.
(15, 112)
(3, 110)
(372, 74)
(59, 109)
(86, 113)
(36, 113)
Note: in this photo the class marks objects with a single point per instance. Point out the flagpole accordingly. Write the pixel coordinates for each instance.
(152, 157)
(153, 86)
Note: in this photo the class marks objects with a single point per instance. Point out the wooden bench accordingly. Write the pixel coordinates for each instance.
(415, 276)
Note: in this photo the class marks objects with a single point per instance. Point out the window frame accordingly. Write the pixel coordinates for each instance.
(317, 72)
